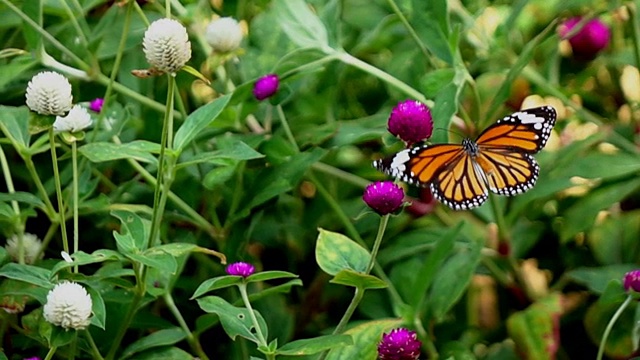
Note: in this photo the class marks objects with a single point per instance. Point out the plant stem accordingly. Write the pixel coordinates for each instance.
(56, 177)
(613, 320)
(341, 174)
(287, 129)
(49, 209)
(94, 349)
(192, 340)
(411, 31)
(19, 227)
(124, 325)
(51, 352)
(76, 233)
(245, 298)
(384, 220)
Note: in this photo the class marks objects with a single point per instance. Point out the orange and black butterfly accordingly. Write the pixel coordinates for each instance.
(500, 160)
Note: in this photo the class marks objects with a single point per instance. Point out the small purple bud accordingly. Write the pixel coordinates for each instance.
(33, 358)
(411, 121)
(96, 105)
(266, 86)
(384, 197)
(592, 37)
(632, 281)
(240, 269)
(399, 344)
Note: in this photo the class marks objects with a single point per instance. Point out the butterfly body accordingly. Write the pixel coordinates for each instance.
(500, 160)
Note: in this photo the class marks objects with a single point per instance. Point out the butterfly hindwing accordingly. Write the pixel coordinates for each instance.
(462, 185)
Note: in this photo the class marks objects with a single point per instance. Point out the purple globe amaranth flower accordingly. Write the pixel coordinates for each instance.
(33, 358)
(266, 86)
(240, 269)
(632, 280)
(589, 40)
(399, 344)
(384, 197)
(411, 121)
(96, 105)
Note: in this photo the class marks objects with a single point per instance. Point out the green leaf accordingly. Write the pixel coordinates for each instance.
(134, 231)
(598, 278)
(60, 337)
(366, 337)
(235, 321)
(301, 25)
(27, 273)
(336, 252)
(358, 280)
(216, 283)
(236, 151)
(452, 280)
(82, 258)
(14, 123)
(23, 197)
(270, 275)
(156, 258)
(197, 121)
(314, 345)
(162, 337)
(536, 330)
(98, 308)
(172, 353)
(431, 22)
(447, 100)
(33, 10)
(139, 150)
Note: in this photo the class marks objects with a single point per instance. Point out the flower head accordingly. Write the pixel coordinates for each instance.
(224, 34)
(166, 45)
(632, 281)
(384, 197)
(32, 358)
(240, 269)
(49, 93)
(31, 245)
(399, 344)
(96, 104)
(77, 119)
(411, 121)
(266, 86)
(589, 40)
(68, 305)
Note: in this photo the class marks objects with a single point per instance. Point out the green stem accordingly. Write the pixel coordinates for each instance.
(635, 34)
(51, 352)
(384, 220)
(192, 340)
(341, 174)
(19, 227)
(287, 129)
(74, 22)
(92, 344)
(245, 298)
(124, 325)
(49, 209)
(613, 320)
(411, 31)
(76, 236)
(56, 177)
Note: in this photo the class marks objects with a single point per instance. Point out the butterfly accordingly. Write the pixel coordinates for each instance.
(500, 160)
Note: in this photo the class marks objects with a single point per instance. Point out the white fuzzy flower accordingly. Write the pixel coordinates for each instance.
(68, 305)
(31, 245)
(77, 119)
(224, 34)
(49, 93)
(166, 45)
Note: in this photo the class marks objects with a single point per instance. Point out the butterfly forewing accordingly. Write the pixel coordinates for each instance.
(523, 131)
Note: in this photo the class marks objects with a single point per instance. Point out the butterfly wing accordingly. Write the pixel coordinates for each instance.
(508, 173)
(462, 185)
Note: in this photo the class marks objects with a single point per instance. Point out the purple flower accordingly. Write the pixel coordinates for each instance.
(32, 358)
(384, 197)
(632, 280)
(96, 104)
(399, 344)
(266, 86)
(411, 121)
(592, 37)
(240, 269)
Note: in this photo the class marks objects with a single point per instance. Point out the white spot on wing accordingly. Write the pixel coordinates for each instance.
(398, 164)
(527, 118)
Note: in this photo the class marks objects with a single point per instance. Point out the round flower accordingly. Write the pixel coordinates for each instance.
(399, 344)
(224, 34)
(240, 269)
(589, 40)
(266, 86)
(77, 119)
(384, 197)
(49, 93)
(31, 245)
(96, 105)
(411, 121)
(632, 281)
(68, 305)
(166, 45)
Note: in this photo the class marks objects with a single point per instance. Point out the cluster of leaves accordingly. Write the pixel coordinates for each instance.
(247, 186)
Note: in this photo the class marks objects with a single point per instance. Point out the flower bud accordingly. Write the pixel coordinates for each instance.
(589, 40)
(224, 34)
(77, 119)
(68, 305)
(31, 245)
(49, 93)
(96, 105)
(384, 197)
(266, 86)
(632, 281)
(411, 121)
(240, 269)
(399, 344)
(166, 45)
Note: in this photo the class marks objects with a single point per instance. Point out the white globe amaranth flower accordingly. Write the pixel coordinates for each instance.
(166, 45)
(77, 119)
(49, 93)
(224, 34)
(68, 305)
(31, 245)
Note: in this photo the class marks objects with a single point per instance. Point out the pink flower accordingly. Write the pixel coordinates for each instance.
(589, 40)
(399, 344)
(240, 269)
(384, 197)
(411, 121)
(266, 86)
